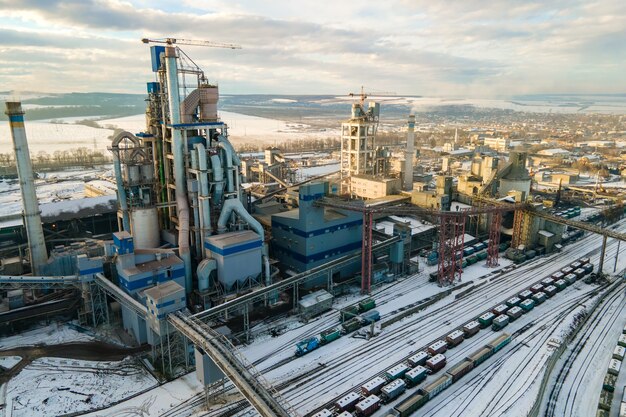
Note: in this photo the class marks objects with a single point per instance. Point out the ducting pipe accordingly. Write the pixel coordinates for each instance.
(182, 204)
(234, 205)
(203, 191)
(117, 167)
(232, 159)
(204, 270)
(218, 179)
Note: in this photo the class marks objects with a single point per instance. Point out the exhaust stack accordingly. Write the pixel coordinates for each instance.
(409, 154)
(32, 217)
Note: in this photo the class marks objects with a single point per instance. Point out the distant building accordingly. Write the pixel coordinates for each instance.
(498, 144)
(556, 152)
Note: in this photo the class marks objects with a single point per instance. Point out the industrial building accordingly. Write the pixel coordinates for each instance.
(310, 235)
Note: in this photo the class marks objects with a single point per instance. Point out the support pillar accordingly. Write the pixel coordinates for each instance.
(366, 252)
(451, 239)
(602, 252)
(493, 249)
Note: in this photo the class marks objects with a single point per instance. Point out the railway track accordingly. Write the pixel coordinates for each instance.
(320, 386)
(476, 383)
(582, 341)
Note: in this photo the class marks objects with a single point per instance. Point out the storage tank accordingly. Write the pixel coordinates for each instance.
(145, 228)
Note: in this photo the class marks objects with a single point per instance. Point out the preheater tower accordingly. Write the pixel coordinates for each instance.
(32, 217)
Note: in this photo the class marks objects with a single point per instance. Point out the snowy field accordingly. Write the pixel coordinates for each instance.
(241, 128)
(51, 387)
(52, 137)
(8, 362)
(51, 334)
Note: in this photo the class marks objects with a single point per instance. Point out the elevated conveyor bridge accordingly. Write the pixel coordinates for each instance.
(262, 396)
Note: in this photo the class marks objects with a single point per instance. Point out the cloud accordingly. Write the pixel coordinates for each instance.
(408, 46)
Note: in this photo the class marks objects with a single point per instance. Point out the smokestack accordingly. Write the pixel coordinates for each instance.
(32, 217)
(409, 154)
(178, 151)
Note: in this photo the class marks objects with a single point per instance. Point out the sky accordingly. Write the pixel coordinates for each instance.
(458, 48)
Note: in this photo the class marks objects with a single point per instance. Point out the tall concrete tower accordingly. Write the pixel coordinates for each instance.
(358, 142)
(32, 217)
(409, 153)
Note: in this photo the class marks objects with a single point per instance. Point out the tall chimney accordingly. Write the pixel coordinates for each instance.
(409, 154)
(32, 217)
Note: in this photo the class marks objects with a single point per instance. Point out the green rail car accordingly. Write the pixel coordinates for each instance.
(366, 305)
(472, 259)
(486, 319)
(609, 382)
(480, 356)
(500, 342)
(482, 255)
(349, 313)
(606, 398)
(351, 325)
(412, 404)
(329, 335)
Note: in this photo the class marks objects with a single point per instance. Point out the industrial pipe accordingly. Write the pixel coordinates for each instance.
(117, 167)
(232, 159)
(203, 191)
(218, 179)
(234, 205)
(182, 205)
(32, 217)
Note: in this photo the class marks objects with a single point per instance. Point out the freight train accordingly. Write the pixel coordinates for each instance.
(355, 316)
(396, 380)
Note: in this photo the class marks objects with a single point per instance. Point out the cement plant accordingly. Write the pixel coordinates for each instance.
(459, 260)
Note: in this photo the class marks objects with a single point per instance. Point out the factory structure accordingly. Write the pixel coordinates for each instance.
(194, 250)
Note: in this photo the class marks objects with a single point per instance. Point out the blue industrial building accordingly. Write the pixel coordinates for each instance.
(310, 236)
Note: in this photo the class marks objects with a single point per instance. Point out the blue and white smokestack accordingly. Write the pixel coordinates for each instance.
(32, 217)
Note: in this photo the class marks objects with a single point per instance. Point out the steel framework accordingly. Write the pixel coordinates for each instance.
(494, 239)
(451, 239)
(262, 396)
(171, 351)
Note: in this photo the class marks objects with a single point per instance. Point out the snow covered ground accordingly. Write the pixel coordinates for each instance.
(241, 128)
(52, 137)
(171, 396)
(51, 334)
(8, 362)
(52, 387)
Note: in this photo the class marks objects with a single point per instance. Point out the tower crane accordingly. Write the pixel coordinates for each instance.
(363, 95)
(174, 41)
